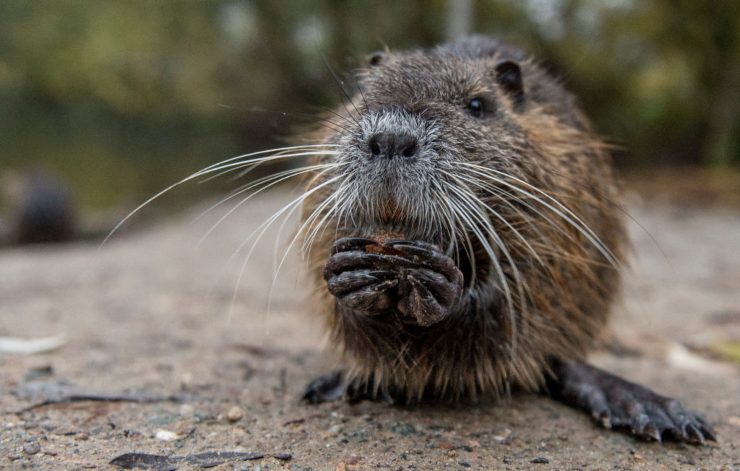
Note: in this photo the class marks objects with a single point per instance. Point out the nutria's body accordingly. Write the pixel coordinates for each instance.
(510, 236)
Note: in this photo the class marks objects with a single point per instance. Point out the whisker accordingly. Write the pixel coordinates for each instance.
(267, 151)
(503, 220)
(308, 243)
(565, 213)
(468, 200)
(262, 228)
(340, 84)
(507, 197)
(312, 117)
(188, 179)
(290, 246)
(251, 164)
(271, 181)
(259, 181)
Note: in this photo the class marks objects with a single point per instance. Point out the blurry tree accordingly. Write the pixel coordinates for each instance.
(659, 77)
(121, 97)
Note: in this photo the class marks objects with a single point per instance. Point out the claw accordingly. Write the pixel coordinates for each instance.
(692, 434)
(604, 418)
(639, 423)
(706, 429)
(709, 433)
(652, 432)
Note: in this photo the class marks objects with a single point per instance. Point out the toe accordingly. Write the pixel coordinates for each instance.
(689, 427)
(348, 281)
(421, 304)
(692, 434)
(651, 432)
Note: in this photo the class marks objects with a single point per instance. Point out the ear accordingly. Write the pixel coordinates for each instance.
(509, 77)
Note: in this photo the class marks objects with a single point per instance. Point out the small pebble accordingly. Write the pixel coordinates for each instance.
(31, 448)
(167, 435)
(402, 428)
(283, 456)
(464, 464)
(186, 410)
(234, 414)
(540, 460)
(503, 436)
(39, 372)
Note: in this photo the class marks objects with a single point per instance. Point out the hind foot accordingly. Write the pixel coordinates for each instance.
(619, 404)
(325, 388)
(332, 387)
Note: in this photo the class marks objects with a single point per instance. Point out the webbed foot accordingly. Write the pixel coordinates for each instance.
(616, 403)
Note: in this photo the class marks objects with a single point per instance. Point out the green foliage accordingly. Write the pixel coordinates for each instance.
(123, 96)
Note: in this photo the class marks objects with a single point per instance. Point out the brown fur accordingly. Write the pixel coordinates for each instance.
(568, 288)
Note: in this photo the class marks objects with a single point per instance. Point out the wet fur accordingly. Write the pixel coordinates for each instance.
(562, 293)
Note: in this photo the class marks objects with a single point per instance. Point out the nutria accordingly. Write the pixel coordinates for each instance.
(465, 232)
(42, 208)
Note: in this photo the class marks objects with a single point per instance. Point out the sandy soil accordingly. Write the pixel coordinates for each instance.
(152, 313)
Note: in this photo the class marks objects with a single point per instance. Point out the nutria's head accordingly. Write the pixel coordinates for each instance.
(470, 147)
(420, 117)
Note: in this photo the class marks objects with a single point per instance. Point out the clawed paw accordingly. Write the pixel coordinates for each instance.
(654, 417)
(415, 278)
(616, 403)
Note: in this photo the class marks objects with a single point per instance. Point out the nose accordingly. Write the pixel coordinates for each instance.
(390, 145)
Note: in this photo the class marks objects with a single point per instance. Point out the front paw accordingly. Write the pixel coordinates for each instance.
(432, 288)
(361, 281)
(415, 277)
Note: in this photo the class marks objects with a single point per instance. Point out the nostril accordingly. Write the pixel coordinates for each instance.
(391, 145)
(409, 150)
(374, 146)
(407, 145)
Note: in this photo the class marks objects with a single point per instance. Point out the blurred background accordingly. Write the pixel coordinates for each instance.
(103, 103)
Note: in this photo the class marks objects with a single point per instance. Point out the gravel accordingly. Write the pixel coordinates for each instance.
(155, 313)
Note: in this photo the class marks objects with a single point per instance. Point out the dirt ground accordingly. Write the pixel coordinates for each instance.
(152, 321)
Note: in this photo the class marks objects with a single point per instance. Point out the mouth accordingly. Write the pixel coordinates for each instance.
(389, 212)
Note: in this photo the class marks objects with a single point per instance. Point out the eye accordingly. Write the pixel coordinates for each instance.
(475, 108)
